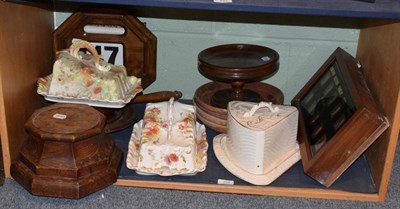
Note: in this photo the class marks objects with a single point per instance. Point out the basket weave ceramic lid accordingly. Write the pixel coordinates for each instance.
(259, 116)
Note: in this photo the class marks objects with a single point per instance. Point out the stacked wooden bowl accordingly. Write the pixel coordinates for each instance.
(216, 117)
(237, 71)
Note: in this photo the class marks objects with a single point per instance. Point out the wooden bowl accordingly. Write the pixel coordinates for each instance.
(217, 122)
(237, 64)
(210, 124)
(212, 118)
(204, 93)
(199, 105)
(216, 117)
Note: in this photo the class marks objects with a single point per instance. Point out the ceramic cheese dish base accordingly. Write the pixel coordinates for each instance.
(78, 77)
(168, 137)
(223, 156)
(43, 89)
(134, 154)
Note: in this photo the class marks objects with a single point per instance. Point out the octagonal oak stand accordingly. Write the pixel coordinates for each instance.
(67, 153)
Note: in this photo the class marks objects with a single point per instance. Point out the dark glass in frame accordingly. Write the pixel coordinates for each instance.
(338, 118)
(326, 107)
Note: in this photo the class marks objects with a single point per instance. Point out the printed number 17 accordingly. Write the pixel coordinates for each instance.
(114, 52)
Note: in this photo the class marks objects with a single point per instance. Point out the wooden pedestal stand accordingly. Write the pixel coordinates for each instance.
(67, 154)
(237, 64)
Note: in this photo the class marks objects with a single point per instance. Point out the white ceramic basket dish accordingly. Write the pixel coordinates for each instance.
(134, 146)
(168, 141)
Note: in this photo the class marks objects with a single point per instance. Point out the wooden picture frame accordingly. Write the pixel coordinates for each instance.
(338, 118)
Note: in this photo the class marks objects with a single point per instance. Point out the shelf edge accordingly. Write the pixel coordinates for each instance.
(254, 190)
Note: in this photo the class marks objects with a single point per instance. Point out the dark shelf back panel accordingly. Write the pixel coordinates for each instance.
(340, 8)
(389, 9)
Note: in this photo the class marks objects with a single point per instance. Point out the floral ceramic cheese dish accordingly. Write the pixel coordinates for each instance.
(77, 75)
(168, 141)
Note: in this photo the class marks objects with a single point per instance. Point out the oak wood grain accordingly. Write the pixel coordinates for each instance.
(68, 157)
(254, 190)
(379, 53)
(25, 55)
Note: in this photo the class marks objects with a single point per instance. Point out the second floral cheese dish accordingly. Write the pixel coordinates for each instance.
(168, 141)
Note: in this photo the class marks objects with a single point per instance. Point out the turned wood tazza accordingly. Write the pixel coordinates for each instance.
(237, 64)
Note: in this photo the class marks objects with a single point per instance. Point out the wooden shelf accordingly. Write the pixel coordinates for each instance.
(356, 179)
(340, 8)
(23, 62)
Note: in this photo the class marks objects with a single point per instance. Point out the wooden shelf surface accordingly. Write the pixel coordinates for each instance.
(356, 180)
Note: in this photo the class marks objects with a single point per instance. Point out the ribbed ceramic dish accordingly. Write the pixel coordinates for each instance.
(224, 157)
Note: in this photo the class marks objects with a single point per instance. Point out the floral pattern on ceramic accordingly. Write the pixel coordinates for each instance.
(134, 148)
(152, 125)
(169, 139)
(83, 76)
(43, 86)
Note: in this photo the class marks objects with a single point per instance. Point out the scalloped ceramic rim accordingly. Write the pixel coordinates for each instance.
(131, 160)
(43, 89)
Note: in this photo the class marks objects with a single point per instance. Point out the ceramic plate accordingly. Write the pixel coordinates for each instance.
(219, 145)
(133, 154)
(43, 89)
